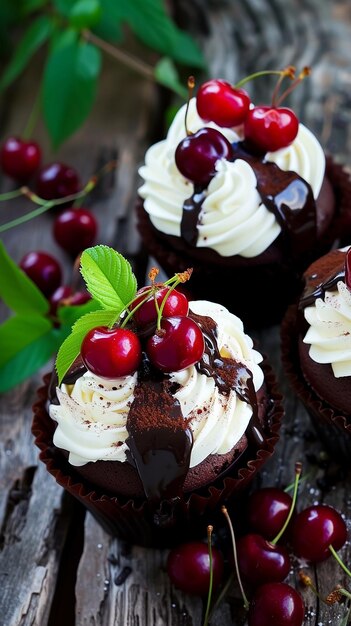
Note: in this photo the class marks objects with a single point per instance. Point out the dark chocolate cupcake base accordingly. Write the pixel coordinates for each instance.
(133, 519)
(332, 426)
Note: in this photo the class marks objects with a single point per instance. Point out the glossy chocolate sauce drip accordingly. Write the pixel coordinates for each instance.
(190, 217)
(284, 193)
(330, 284)
(228, 374)
(160, 440)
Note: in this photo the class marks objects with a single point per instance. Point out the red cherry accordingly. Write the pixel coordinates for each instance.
(181, 345)
(197, 155)
(60, 294)
(267, 511)
(188, 567)
(219, 102)
(260, 561)
(348, 269)
(43, 270)
(77, 298)
(176, 304)
(75, 230)
(57, 180)
(111, 352)
(276, 603)
(20, 159)
(316, 528)
(268, 129)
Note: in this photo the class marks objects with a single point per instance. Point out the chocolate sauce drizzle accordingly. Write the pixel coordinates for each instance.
(284, 193)
(330, 284)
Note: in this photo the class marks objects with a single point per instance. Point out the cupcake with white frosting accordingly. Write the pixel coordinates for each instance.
(316, 343)
(154, 433)
(258, 221)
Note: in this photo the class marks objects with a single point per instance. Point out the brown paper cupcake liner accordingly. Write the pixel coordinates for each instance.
(133, 520)
(332, 427)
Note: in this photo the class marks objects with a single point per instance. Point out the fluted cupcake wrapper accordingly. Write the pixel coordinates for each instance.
(332, 427)
(134, 520)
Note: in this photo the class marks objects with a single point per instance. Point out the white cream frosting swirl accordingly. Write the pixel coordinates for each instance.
(329, 333)
(92, 414)
(233, 220)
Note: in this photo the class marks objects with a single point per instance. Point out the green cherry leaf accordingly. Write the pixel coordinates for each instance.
(69, 314)
(36, 35)
(85, 14)
(109, 277)
(17, 290)
(29, 358)
(69, 87)
(70, 348)
(166, 74)
(19, 331)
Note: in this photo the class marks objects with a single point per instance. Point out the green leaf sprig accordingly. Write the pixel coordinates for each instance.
(29, 337)
(75, 33)
(110, 280)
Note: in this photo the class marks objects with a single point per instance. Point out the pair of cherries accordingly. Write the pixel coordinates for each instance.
(266, 129)
(74, 229)
(175, 345)
(262, 564)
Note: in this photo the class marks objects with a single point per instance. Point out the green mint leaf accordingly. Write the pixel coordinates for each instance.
(70, 348)
(166, 74)
(36, 35)
(85, 13)
(150, 22)
(29, 358)
(70, 314)
(109, 277)
(17, 290)
(69, 87)
(19, 331)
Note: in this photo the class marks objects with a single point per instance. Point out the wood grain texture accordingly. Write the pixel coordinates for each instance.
(118, 584)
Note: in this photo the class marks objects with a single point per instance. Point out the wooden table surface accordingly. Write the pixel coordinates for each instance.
(57, 566)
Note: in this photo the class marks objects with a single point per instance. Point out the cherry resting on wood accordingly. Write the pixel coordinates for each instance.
(260, 561)
(276, 604)
(267, 511)
(43, 270)
(75, 230)
(316, 528)
(19, 158)
(57, 180)
(188, 567)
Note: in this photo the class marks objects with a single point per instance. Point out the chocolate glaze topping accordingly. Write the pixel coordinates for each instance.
(330, 284)
(284, 193)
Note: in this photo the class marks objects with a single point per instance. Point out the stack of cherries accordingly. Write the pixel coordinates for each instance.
(74, 229)
(264, 128)
(263, 565)
(173, 341)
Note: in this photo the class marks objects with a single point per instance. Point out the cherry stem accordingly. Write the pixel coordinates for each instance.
(298, 470)
(338, 559)
(222, 594)
(305, 72)
(231, 529)
(245, 80)
(162, 305)
(307, 582)
(131, 313)
(45, 205)
(210, 586)
(302, 480)
(191, 85)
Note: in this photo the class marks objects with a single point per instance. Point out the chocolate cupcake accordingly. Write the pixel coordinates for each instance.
(257, 223)
(316, 350)
(153, 450)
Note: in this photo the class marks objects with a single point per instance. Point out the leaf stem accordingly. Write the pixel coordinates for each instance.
(126, 58)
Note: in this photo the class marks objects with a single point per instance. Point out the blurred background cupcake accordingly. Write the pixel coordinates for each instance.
(316, 350)
(246, 198)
